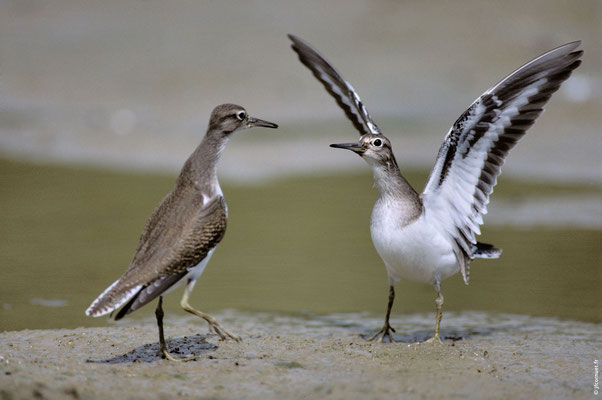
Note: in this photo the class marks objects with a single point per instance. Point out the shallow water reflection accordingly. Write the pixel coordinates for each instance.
(296, 245)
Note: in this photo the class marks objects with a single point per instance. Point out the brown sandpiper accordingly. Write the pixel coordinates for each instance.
(183, 231)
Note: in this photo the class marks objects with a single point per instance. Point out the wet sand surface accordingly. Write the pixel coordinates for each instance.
(294, 357)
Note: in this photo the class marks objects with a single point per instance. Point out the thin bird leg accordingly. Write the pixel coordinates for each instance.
(386, 329)
(189, 287)
(163, 351)
(439, 302)
(222, 332)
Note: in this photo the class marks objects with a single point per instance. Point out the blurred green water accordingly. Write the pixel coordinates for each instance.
(299, 244)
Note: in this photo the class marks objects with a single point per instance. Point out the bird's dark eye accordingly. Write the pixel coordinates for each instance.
(377, 143)
(241, 115)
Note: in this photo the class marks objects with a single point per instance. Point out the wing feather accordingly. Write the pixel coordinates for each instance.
(473, 152)
(175, 239)
(344, 94)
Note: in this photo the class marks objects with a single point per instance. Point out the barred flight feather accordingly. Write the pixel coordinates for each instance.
(470, 159)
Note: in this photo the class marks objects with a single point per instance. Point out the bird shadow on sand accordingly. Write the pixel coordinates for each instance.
(423, 335)
(447, 335)
(410, 336)
(185, 346)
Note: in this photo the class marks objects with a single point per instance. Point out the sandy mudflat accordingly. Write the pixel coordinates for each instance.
(492, 356)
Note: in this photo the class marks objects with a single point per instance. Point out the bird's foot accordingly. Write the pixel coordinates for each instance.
(163, 353)
(435, 339)
(213, 324)
(223, 333)
(382, 334)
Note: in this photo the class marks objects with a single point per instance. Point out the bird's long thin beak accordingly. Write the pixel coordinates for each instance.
(259, 122)
(355, 147)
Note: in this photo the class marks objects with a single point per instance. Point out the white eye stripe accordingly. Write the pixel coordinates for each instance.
(241, 115)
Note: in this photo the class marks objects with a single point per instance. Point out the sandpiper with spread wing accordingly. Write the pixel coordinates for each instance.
(429, 237)
(183, 231)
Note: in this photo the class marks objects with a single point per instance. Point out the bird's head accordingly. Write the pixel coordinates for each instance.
(230, 118)
(374, 148)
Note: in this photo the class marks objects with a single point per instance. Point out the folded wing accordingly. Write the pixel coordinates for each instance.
(174, 240)
(469, 160)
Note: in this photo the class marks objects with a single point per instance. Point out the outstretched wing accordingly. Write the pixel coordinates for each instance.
(175, 239)
(338, 87)
(469, 160)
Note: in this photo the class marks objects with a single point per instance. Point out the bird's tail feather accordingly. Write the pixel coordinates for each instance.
(111, 299)
(149, 292)
(484, 250)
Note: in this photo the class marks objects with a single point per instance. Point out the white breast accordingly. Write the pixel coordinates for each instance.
(198, 269)
(415, 252)
(193, 273)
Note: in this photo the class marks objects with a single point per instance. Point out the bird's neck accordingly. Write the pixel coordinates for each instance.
(201, 167)
(391, 184)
